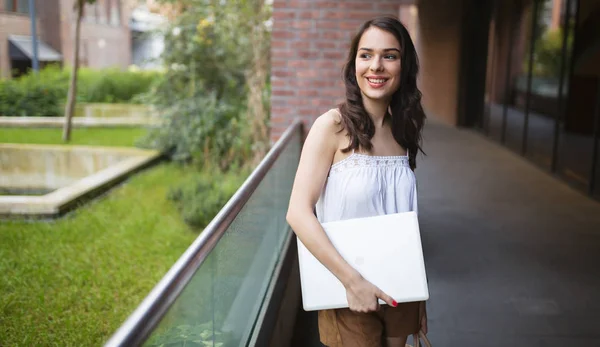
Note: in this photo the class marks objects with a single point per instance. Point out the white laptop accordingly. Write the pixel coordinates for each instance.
(386, 250)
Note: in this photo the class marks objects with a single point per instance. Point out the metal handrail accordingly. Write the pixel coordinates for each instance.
(138, 326)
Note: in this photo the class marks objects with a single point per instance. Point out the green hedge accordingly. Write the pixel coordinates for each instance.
(201, 198)
(46, 93)
(114, 86)
(32, 96)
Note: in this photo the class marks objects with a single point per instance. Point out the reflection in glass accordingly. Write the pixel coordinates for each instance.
(543, 84)
(551, 53)
(596, 187)
(518, 70)
(492, 118)
(595, 175)
(220, 305)
(509, 39)
(576, 135)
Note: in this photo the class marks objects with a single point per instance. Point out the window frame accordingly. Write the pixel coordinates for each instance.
(12, 6)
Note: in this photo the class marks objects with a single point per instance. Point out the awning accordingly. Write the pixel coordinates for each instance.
(21, 48)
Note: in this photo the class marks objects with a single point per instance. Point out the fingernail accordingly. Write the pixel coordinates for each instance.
(394, 303)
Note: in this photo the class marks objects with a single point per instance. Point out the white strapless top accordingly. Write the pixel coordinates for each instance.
(365, 186)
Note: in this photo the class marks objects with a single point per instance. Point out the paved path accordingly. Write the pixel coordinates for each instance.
(512, 253)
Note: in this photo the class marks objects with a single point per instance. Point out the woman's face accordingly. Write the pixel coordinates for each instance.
(378, 64)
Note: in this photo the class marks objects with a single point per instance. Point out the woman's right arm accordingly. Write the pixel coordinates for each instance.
(317, 155)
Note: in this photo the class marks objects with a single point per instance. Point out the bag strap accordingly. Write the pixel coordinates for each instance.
(421, 336)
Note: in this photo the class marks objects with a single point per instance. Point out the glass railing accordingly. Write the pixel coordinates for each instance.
(213, 295)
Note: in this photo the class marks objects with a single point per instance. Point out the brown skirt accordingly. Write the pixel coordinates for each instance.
(345, 328)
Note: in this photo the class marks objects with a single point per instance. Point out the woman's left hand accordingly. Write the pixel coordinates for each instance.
(423, 317)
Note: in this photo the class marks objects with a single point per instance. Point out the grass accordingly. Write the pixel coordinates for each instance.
(80, 136)
(72, 281)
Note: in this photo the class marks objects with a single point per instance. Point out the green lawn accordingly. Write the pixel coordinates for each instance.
(72, 281)
(79, 136)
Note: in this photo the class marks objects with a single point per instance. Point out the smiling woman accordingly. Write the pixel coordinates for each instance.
(358, 161)
(378, 68)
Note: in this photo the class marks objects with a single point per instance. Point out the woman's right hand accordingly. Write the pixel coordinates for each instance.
(363, 296)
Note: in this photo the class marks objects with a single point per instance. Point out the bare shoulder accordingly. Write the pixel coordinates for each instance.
(326, 131)
(329, 123)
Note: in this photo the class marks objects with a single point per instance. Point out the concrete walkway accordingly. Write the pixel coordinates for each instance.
(512, 253)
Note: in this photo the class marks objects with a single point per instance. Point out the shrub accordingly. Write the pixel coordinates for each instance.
(45, 94)
(201, 198)
(213, 95)
(114, 85)
(203, 130)
(32, 95)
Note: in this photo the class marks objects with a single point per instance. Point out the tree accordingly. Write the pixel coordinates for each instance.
(257, 76)
(71, 96)
(214, 97)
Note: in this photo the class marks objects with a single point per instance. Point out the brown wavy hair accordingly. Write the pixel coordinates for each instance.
(406, 113)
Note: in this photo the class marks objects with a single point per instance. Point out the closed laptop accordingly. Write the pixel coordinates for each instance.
(386, 250)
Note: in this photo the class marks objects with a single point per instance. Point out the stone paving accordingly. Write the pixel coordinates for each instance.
(512, 253)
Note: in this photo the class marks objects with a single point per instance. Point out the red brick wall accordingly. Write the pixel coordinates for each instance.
(309, 44)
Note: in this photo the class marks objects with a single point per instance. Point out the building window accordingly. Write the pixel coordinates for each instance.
(543, 83)
(114, 12)
(91, 13)
(18, 6)
(101, 11)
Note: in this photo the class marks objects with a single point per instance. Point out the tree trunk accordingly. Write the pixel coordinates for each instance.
(257, 84)
(71, 98)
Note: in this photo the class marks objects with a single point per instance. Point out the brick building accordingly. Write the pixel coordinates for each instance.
(105, 34)
(310, 41)
(522, 72)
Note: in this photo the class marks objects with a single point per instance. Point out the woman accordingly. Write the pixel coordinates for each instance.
(358, 161)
